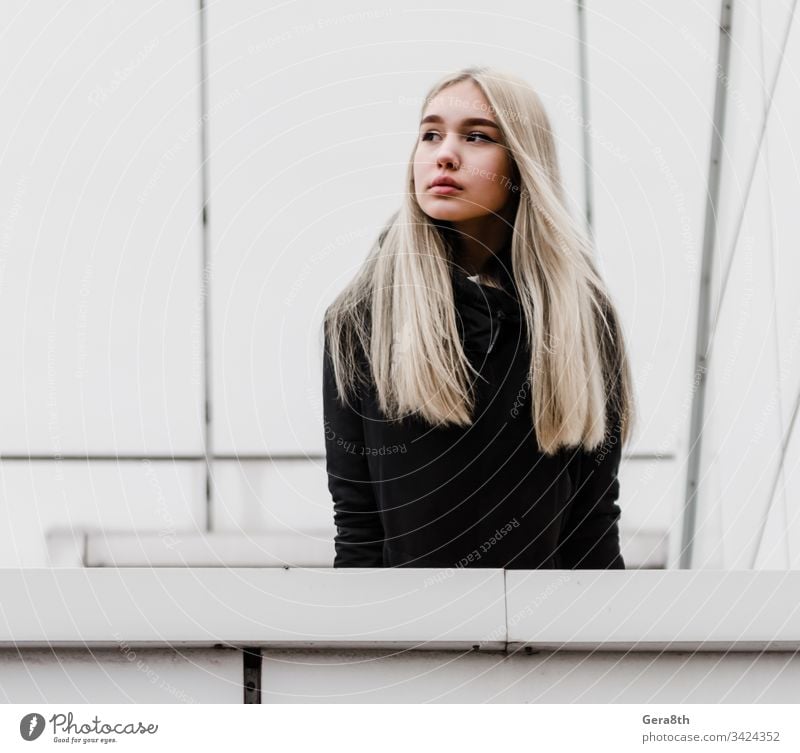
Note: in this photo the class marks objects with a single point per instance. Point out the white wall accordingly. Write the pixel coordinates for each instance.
(754, 370)
(311, 117)
(100, 318)
(651, 72)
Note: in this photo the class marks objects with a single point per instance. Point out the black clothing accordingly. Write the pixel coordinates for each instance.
(411, 495)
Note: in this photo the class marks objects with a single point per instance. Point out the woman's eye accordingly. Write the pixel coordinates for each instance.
(479, 134)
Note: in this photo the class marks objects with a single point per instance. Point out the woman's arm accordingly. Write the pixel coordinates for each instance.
(590, 538)
(359, 538)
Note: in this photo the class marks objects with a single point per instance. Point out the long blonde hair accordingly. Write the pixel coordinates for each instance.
(403, 295)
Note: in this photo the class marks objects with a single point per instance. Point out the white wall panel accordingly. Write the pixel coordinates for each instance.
(783, 160)
(741, 374)
(121, 675)
(314, 112)
(281, 495)
(100, 203)
(39, 497)
(566, 677)
(651, 76)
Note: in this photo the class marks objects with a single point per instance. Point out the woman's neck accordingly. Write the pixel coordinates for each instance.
(479, 240)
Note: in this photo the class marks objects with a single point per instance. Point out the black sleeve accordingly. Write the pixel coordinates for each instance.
(359, 538)
(590, 538)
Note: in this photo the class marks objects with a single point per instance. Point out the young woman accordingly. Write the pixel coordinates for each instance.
(476, 387)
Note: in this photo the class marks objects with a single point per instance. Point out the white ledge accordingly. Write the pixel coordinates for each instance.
(580, 610)
(312, 548)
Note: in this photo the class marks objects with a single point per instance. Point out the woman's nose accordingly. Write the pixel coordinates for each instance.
(448, 153)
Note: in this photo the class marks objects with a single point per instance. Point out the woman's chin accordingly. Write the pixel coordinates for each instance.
(446, 209)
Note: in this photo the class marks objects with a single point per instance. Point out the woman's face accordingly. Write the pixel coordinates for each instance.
(459, 140)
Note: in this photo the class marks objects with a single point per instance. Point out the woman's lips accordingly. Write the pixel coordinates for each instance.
(444, 189)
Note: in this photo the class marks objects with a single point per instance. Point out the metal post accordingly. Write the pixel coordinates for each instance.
(704, 300)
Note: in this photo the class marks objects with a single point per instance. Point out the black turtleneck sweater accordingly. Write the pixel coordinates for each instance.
(412, 495)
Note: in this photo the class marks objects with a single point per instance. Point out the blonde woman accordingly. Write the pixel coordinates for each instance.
(476, 387)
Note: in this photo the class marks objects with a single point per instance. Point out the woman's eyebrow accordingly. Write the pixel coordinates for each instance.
(465, 122)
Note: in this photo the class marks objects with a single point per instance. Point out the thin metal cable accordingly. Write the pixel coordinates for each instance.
(773, 272)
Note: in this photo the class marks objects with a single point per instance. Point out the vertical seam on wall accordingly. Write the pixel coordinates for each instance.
(205, 283)
(583, 73)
